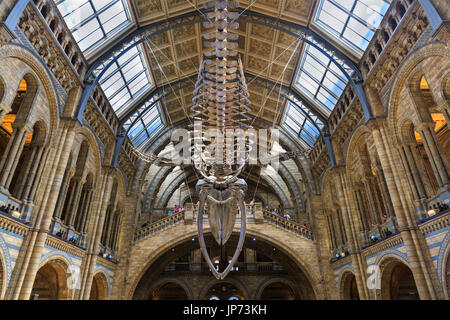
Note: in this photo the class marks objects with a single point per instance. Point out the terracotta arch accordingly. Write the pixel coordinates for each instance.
(396, 279)
(181, 283)
(53, 280)
(42, 73)
(307, 270)
(348, 289)
(267, 282)
(401, 80)
(100, 288)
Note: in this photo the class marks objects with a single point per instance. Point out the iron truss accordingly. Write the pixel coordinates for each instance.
(345, 64)
(156, 95)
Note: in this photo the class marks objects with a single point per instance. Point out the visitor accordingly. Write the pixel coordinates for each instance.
(275, 211)
(442, 206)
(305, 226)
(287, 216)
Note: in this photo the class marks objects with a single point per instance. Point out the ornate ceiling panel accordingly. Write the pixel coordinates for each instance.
(265, 52)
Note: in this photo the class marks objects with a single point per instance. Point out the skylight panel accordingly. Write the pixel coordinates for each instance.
(93, 21)
(146, 127)
(296, 121)
(126, 80)
(319, 78)
(353, 21)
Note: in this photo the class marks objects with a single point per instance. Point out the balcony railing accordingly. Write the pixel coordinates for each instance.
(238, 267)
(161, 224)
(288, 225)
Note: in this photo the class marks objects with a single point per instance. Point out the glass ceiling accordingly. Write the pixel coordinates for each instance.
(126, 80)
(353, 21)
(92, 23)
(320, 78)
(297, 122)
(146, 127)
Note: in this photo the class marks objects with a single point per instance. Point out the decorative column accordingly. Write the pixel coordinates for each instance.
(109, 230)
(62, 194)
(371, 194)
(345, 204)
(29, 176)
(37, 168)
(196, 260)
(407, 227)
(361, 208)
(12, 154)
(86, 212)
(415, 180)
(84, 215)
(27, 264)
(114, 228)
(74, 204)
(250, 259)
(93, 246)
(435, 153)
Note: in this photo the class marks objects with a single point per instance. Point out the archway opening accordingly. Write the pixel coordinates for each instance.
(259, 258)
(397, 282)
(278, 291)
(223, 290)
(98, 288)
(349, 287)
(168, 291)
(25, 174)
(423, 155)
(51, 282)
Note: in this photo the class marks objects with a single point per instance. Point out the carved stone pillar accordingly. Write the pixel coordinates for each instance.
(362, 210)
(34, 175)
(343, 194)
(12, 153)
(78, 183)
(62, 194)
(93, 246)
(435, 153)
(27, 264)
(417, 259)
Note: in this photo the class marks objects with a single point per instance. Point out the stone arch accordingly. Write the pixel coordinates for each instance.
(2, 91)
(54, 279)
(186, 235)
(100, 287)
(25, 109)
(404, 72)
(443, 265)
(357, 135)
(88, 136)
(407, 137)
(267, 282)
(348, 289)
(42, 73)
(3, 270)
(177, 281)
(235, 282)
(396, 278)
